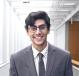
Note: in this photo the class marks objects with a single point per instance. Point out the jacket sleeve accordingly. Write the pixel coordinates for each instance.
(12, 70)
(68, 68)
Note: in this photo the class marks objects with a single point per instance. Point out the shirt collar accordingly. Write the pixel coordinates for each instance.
(44, 51)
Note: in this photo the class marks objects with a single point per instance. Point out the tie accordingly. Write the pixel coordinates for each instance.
(41, 65)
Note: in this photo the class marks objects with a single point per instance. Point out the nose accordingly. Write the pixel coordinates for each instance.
(38, 31)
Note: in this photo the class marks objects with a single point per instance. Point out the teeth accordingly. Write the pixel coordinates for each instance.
(38, 37)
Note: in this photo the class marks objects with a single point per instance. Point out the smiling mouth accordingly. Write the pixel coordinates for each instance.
(39, 38)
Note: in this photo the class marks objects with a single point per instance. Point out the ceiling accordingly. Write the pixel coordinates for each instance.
(59, 10)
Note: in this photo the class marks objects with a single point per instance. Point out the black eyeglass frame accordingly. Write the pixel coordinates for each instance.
(41, 27)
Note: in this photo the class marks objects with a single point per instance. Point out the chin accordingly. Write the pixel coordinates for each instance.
(39, 43)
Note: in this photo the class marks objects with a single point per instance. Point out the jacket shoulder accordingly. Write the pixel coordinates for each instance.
(21, 52)
(59, 51)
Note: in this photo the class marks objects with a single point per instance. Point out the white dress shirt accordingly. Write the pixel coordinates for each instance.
(36, 57)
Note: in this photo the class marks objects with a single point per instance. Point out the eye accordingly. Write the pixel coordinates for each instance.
(33, 28)
(42, 27)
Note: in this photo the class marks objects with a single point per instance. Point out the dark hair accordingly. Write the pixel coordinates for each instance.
(33, 16)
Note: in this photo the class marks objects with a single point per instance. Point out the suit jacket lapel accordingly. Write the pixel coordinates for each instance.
(50, 60)
(30, 62)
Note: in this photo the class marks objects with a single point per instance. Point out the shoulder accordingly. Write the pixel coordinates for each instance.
(21, 53)
(60, 55)
(58, 51)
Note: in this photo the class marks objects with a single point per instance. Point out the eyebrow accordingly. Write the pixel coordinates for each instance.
(40, 25)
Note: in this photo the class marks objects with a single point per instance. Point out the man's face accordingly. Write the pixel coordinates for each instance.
(38, 32)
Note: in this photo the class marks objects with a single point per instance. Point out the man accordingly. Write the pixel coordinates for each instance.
(41, 58)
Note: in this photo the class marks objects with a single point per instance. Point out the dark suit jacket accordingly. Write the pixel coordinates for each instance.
(58, 63)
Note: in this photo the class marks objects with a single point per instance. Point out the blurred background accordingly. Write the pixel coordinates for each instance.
(64, 33)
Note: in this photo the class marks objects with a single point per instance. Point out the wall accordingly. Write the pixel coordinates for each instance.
(4, 70)
(75, 71)
(60, 37)
(50, 37)
(1, 28)
(13, 36)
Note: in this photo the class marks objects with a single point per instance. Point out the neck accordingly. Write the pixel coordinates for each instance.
(40, 47)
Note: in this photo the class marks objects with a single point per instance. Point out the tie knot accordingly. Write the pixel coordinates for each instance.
(40, 55)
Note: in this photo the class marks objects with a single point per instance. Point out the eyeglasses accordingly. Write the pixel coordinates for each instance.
(41, 27)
